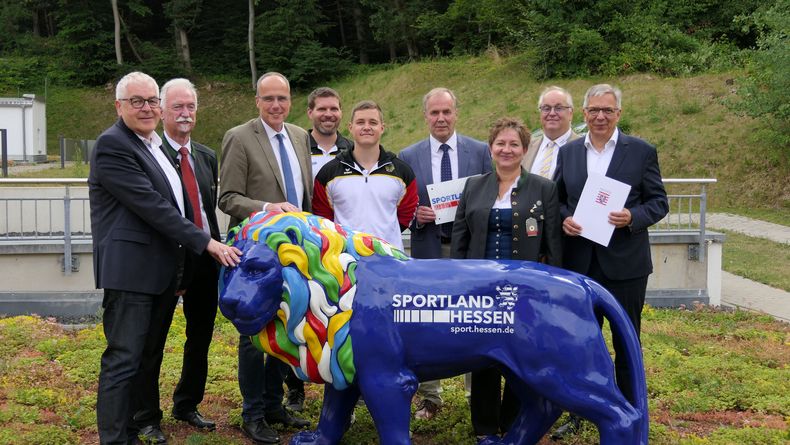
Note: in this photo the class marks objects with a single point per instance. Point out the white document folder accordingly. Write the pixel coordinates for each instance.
(600, 196)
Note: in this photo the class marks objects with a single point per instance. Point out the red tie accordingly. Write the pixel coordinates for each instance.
(191, 185)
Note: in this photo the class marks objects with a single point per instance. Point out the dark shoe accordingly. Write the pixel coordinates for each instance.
(152, 434)
(285, 418)
(195, 419)
(426, 410)
(295, 400)
(260, 432)
(568, 429)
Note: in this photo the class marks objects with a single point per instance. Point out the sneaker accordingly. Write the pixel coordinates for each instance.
(426, 410)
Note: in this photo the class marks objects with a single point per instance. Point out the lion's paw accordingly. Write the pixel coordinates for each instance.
(308, 438)
(488, 440)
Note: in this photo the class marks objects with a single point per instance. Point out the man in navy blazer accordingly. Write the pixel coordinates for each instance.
(139, 240)
(623, 266)
(467, 157)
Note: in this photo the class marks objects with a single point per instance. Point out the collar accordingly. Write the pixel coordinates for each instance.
(270, 132)
(560, 141)
(316, 149)
(611, 143)
(153, 140)
(452, 141)
(175, 145)
(347, 156)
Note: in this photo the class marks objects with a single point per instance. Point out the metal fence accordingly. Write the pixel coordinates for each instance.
(687, 210)
(57, 210)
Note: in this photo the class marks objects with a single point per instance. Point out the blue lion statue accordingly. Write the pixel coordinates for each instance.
(307, 287)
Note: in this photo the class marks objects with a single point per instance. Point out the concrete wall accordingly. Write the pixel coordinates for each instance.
(34, 280)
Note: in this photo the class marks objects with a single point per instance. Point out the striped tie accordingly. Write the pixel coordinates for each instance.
(548, 158)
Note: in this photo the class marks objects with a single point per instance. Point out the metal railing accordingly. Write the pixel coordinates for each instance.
(60, 215)
(687, 210)
(28, 216)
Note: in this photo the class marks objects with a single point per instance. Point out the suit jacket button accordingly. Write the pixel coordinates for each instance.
(515, 252)
(515, 214)
(515, 238)
(515, 226)
(514, 203)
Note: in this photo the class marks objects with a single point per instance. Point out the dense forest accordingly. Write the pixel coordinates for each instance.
(92, 42)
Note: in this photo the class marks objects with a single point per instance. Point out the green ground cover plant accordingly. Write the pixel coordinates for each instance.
(714, 378)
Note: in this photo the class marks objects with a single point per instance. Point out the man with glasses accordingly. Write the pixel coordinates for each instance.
(265, 166)
(623, 266)
(139, 240)
(556, 112)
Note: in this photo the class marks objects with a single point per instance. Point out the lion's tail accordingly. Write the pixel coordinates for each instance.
(623, 330)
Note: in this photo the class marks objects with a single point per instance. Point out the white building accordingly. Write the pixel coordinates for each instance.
(25, 121)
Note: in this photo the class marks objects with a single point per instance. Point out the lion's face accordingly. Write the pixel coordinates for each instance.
(253, 290)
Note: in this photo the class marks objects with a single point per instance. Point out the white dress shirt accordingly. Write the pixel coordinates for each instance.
(598, 162)
(296, 171)
(176, 147)
(544, 144)
(436, 157)
(153, 145)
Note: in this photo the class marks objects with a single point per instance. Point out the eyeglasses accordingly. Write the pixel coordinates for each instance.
(546, 109)
(608, 112)
(139, 102)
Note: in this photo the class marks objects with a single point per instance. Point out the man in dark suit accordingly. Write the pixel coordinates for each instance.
(198, 289)
(555, 106)
(139, 240)
(624, 265)
(465, 157)
(265, 166)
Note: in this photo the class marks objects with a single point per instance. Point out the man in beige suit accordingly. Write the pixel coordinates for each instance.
(265, 166)
(556, 111)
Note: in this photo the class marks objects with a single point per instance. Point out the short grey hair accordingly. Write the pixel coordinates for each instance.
(548, 90)
(174, 83)
(271, 74)
(133, 77)
(603, 89)
(435, 91)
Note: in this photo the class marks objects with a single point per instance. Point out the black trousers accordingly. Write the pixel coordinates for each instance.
(491, 413)
(200, 310)
(135, 326)
(631, 296)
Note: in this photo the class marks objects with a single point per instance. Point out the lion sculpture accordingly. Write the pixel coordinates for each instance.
(307, 287)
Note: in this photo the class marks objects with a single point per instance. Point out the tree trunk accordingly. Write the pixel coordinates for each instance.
(129, 41)
(340, 24)
(117, 18)
(393, 52)
(359, 25)
(183, 48)
(251, 44)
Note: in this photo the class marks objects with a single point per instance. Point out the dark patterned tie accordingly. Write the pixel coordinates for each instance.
(290, 187)
(190, 183)
(446, 174)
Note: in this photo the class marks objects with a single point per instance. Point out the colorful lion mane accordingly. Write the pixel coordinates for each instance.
(319, 258)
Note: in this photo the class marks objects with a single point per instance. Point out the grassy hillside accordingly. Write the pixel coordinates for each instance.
(696, 134)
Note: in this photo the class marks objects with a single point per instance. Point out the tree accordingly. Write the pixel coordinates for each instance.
(290, 43)
(117, 20)
(183, 14)
(251, 43)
